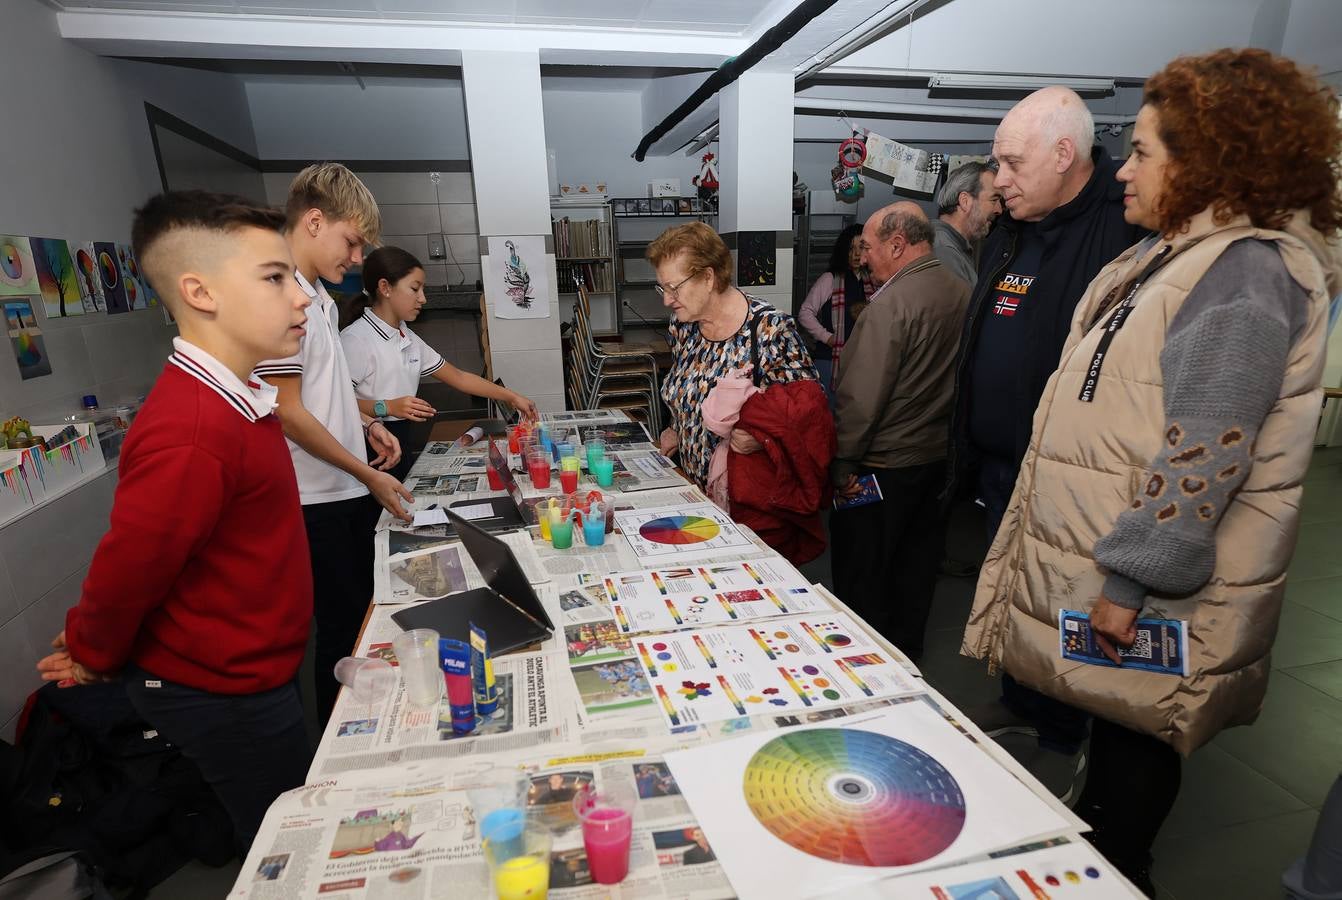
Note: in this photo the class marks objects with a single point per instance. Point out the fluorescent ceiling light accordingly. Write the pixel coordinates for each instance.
(958, 81)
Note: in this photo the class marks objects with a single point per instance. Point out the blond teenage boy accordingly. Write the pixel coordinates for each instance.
(329, 217)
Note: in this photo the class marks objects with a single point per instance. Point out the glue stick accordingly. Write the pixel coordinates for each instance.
(482, 673)
(456, 662)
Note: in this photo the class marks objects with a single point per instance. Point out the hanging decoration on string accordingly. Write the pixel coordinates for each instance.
(707, 182)
(847, 182)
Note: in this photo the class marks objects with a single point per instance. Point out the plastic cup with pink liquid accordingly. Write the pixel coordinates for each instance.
(607, 818)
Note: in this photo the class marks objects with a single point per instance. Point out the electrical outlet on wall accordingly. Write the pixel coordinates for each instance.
(436, 244)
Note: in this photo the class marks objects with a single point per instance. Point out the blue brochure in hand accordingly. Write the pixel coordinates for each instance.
(1161, 645)
(869, 492)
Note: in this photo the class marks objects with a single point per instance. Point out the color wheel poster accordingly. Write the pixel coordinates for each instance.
(820, 808)
(675, 533)
(708, 594)
(778, 666)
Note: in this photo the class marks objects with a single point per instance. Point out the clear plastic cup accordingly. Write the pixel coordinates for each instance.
(370, 681)
(538, 468)
(596, 449)
(417, 655)
(607, 818)
(520, 867)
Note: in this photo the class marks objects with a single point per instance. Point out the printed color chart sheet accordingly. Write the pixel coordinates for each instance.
(787, 665)
(708, 593)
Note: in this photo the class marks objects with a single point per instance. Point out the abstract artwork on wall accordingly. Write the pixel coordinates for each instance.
(517, 280)
(110, 277)
(137, 293)
(18, 275)
(90, 285)
(756, 258)
(29, 350)
(57, 277)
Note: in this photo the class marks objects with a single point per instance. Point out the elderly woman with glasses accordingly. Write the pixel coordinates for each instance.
(715, 328)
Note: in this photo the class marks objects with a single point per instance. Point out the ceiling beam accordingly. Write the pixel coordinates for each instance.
(206, 35)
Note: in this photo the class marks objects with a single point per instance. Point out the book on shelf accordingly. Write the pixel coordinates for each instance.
(595, 276)
(581, 238)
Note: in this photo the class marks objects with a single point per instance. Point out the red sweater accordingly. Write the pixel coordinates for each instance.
(203, 577)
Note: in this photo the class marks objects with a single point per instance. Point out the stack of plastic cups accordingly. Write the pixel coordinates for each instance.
(594, 524)
(538, 467)
(568, 473)
(596, 449)
(561, 524)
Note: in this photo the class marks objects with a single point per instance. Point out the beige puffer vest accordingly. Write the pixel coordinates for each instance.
(1084, 466)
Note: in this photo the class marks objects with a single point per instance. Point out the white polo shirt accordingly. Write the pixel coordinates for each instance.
(386, 362)
(327, 395)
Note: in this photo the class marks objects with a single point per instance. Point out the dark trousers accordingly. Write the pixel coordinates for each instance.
(1061, 727)
(1132, 783)
(340, 542)
(413, 436)
(885, 556)
(250, 748)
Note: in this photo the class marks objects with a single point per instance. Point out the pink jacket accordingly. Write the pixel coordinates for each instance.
(722, 407)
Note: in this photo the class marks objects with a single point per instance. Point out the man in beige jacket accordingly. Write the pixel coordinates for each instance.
(893, 402)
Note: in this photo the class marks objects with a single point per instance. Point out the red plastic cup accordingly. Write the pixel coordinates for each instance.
(538, 467)
(568, 481)
(495, 479)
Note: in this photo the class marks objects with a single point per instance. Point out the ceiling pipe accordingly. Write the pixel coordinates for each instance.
(735, 67)
(871, 30)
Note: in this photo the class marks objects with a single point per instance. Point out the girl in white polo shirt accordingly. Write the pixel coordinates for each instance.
(387, 360)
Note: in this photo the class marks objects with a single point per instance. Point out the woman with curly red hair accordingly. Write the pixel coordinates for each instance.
(1165, 468)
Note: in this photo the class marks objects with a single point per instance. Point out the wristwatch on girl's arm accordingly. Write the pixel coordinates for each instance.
(380, 408)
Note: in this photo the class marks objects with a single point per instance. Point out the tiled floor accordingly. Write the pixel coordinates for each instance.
(1250, 799)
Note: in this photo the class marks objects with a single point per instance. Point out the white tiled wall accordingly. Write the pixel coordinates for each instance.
(412, 210)
(43, 561)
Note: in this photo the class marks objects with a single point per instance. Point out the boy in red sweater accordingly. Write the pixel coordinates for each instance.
(200, 594)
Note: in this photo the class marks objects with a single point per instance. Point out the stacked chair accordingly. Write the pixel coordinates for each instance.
(610, 376)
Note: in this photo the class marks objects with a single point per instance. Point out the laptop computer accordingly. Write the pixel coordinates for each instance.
(508, 610)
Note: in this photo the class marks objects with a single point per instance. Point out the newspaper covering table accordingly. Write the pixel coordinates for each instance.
(387, 812)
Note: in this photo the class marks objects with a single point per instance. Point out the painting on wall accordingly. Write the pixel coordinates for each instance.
(517, 279)
(29, 350)
(18, 275)
(57, 278)
(86, 267)
(756, 258)
(110, 277)
(137, 290)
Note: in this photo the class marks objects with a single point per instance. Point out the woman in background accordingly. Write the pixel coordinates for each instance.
(387, 360)
(834, 302)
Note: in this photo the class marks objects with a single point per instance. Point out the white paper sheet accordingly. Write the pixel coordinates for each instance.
(895, 791)
(675, 534)
(789, 665)
(708, 593)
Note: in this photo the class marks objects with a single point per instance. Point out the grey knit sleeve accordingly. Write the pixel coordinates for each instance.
(1224, 358)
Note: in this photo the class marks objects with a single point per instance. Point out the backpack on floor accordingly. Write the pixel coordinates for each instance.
(89, 775)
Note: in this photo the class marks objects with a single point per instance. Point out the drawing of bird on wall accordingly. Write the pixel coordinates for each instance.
(516, 277)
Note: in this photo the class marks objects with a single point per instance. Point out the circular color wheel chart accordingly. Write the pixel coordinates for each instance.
(854, 797)
(679, 530)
